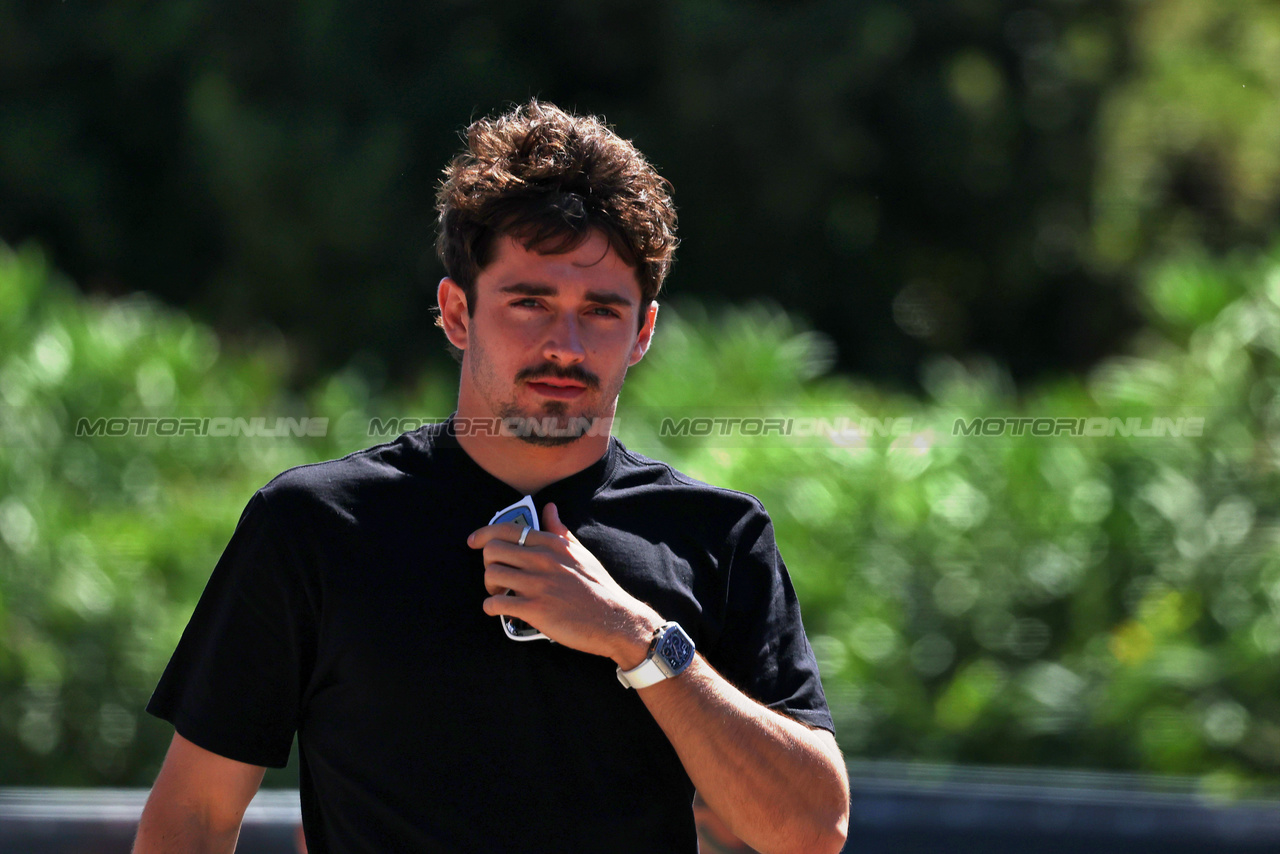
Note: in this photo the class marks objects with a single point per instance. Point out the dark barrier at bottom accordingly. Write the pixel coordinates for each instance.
(912, 809)
(103, 821)
(896, 808)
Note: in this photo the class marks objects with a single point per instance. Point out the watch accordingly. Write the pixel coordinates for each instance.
(669, 654)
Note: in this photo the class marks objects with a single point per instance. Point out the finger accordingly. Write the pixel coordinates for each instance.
(506, 604)
(507, 531)
(513, 554)
(500, 577)
(551, 522)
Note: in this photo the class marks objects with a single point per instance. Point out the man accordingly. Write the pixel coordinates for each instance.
(366, 604)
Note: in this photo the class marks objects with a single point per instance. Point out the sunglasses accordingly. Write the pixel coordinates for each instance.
(524, 515)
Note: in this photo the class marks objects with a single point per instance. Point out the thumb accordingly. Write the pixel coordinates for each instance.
(551, 522)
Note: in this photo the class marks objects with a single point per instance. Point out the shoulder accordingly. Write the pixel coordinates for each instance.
(729, 507)
(343, 482)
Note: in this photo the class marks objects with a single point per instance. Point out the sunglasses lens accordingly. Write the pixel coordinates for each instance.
(519, 515)
(518, 628)
(522, 514)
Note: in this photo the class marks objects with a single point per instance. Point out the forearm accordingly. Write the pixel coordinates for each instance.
(779, 785)
(171, 828)
(772, 780)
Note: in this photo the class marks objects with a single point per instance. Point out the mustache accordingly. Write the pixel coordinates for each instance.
(574, 373)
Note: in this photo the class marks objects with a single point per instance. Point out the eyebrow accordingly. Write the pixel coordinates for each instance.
(529, 289)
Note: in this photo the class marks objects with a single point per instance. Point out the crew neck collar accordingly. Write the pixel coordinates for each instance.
(579, 486)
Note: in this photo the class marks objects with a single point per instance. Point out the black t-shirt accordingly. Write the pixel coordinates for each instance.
(347, 608)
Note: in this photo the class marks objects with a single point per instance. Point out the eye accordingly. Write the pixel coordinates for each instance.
(525, 302)
(602, 311)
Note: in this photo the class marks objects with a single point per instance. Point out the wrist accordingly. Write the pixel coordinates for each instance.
(670, 653)
(636, 640)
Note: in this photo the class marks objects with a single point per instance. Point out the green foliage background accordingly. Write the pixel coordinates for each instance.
(1055, 209)
(1072, 601)
(915, 177)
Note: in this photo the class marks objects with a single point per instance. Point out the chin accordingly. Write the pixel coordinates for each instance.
(552, 427)
(549, 441)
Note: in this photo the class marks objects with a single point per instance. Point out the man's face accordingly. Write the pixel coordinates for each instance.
(551, 336)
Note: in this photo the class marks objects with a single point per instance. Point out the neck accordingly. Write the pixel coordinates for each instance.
(526, 467)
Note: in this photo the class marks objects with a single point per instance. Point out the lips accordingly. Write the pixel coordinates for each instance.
(558, 389)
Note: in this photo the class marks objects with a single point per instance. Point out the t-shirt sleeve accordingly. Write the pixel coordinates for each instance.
(763, 649)
(234, 683)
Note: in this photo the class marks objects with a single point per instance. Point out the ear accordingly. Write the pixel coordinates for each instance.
(646, 334)
(453, 312)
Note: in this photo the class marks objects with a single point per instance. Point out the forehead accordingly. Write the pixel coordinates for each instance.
(592, 265)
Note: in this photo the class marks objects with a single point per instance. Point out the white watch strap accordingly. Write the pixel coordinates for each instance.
(648, 673)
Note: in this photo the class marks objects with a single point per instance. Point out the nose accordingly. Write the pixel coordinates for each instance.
(564, 341)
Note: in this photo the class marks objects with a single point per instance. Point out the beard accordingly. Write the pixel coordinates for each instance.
(554, 428)
(546, 423)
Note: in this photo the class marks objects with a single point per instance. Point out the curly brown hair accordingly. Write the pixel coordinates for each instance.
(549, 178)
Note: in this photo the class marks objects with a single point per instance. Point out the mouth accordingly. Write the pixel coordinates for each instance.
(558, 389)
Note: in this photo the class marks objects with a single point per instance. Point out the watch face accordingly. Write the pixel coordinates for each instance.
(677, 650)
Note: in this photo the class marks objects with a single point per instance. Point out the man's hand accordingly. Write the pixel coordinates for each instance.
(778, 785)
(562, 590)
